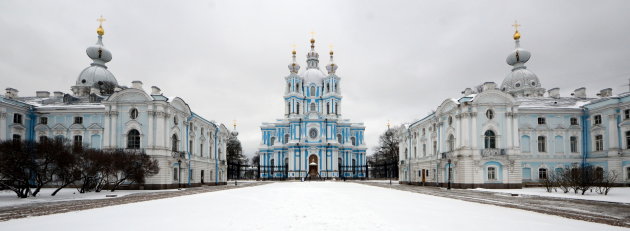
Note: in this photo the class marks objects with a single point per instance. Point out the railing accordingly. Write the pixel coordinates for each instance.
(492, 152)
(180, 155)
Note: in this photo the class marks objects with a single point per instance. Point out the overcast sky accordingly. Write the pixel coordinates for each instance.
(398, 60)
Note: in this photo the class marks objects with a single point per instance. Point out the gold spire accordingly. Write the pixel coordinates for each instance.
(331, 49)
(100, 31)
(312, 38)
(293, 47)
(234, 124)
(517, 35)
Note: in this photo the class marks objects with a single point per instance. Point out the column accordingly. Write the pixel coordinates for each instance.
(150, 132)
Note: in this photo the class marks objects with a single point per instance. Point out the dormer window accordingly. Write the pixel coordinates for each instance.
(450, 120)
(541, 120)
(574, 121)
(78, 120)
(597, 119)
(43, 120)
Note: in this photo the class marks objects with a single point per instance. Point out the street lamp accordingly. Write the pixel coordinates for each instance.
(449, 174)
(179, 174)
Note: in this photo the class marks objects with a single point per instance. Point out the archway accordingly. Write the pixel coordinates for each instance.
(312, 166)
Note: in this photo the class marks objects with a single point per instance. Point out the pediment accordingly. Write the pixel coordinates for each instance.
(42, 127)
(95, 126)
(130, 95)
(77, 127)
(59, 127)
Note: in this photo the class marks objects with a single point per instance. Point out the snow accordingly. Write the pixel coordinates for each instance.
(618, 194)
(304, 206)
(8, 198)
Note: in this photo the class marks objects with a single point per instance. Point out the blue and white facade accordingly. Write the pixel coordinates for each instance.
(312, 139)
(514, 134)
(190, 149)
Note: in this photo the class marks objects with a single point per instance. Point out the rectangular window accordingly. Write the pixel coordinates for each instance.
(17, 138)
(192, 174)
(190, 147)
(78, 141)
(492, 173)
(542, 173)
(597, 119)
(17, 118)
(628, 173)
(174, 173)
(43, 120)
(574, 121)
(627, 139)
(599, 143)
(434, 147)
(626, 114)
(200, 149)
(574, 144)
(541, 120)
(542, 144)
(78, 120)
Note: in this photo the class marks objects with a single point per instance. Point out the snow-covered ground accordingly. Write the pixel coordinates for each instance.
(8, 198)
(304, 206)
(620, 194)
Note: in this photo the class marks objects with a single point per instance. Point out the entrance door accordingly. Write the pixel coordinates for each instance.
(312, 166)
(423, 176)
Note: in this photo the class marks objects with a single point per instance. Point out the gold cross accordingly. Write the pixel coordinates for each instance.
(101, 20)
(330, 46)
(516, 25)
(234, 124)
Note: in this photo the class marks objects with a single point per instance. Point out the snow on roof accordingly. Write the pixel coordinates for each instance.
(551, 103)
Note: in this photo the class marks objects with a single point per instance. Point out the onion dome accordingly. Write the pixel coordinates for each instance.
(313, 74)
(294, 67)
(234, 132)
(312, 58)
(520, 81)
(97, 71)
(332, 67)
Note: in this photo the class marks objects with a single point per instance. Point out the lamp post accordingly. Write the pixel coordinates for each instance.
(179, 174)
(449, 175)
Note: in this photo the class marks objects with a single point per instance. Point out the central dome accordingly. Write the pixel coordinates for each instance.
(313, 75)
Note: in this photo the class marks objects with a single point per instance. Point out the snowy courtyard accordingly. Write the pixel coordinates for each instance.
(304, 206)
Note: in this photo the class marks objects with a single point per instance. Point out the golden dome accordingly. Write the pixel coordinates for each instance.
(517, 35)
(331, 52)
(100, 30)
(293, 52)
(312, 40)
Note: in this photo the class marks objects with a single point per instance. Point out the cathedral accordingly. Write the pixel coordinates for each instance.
(516, 133)
(312, 140)
(99, 113)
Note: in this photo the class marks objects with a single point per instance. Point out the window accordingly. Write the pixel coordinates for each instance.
(339, 139)
(133, 139)
(490, 139)
(434, 147)
(175, 121)
(525, 144)
(313, 107)
(312, 91)
(174, 173)
(190, 147)
(353, 140)
(17, 138)
(78, 141)
(328, 87)
(450, 120)
(424, 131)
(574, 121)
(627, 139)
(541, 120)
(599, 143)
(542, 144)
(492, 173)
(597, 119)
(489, 114)
(202, 176)
(451, 143)
(133, 114)
(191, 174)
(406, 153)
(174, 143)
(17, 118)
(542, 174)
(574, 144)
(297, 106)
(272, 165)
(286, 138)
(626, 114)
(628, 173)
(415, 152)
(336, 108)
(201, 150)
(289, 108)
(424, 149)
(273, 141)
(78, 120)
(43, 120)
(327, 108)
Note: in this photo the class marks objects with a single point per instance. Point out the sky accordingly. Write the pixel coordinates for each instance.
(398, 60)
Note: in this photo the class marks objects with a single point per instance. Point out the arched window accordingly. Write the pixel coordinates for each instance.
(286, 138)
(336, 108)
(328, 87)
(288, 108)
(490, 139)
(133, 139)
(273, 164)
(312, 91)
(490, 114)
(133, 114)
(327, 108)
(451, 143)
(354, 166)
(273, 140)
(297, 106)
(175, 120)
(174, 143)
(288, 87)
(353, 140)
(406, 153)
(450, 120)
(313, 107)
(339, 140)
(542, 144)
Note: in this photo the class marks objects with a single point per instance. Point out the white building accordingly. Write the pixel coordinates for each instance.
(312, 139)
(514, 134)
(101, 114)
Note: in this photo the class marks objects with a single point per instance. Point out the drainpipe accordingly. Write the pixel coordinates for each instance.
(585, 136)
(188, 146)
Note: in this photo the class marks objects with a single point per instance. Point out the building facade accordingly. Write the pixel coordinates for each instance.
(312, 139)
(101, 114)
(515, 134)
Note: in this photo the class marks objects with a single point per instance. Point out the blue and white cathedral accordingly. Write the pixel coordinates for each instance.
(312, 140)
